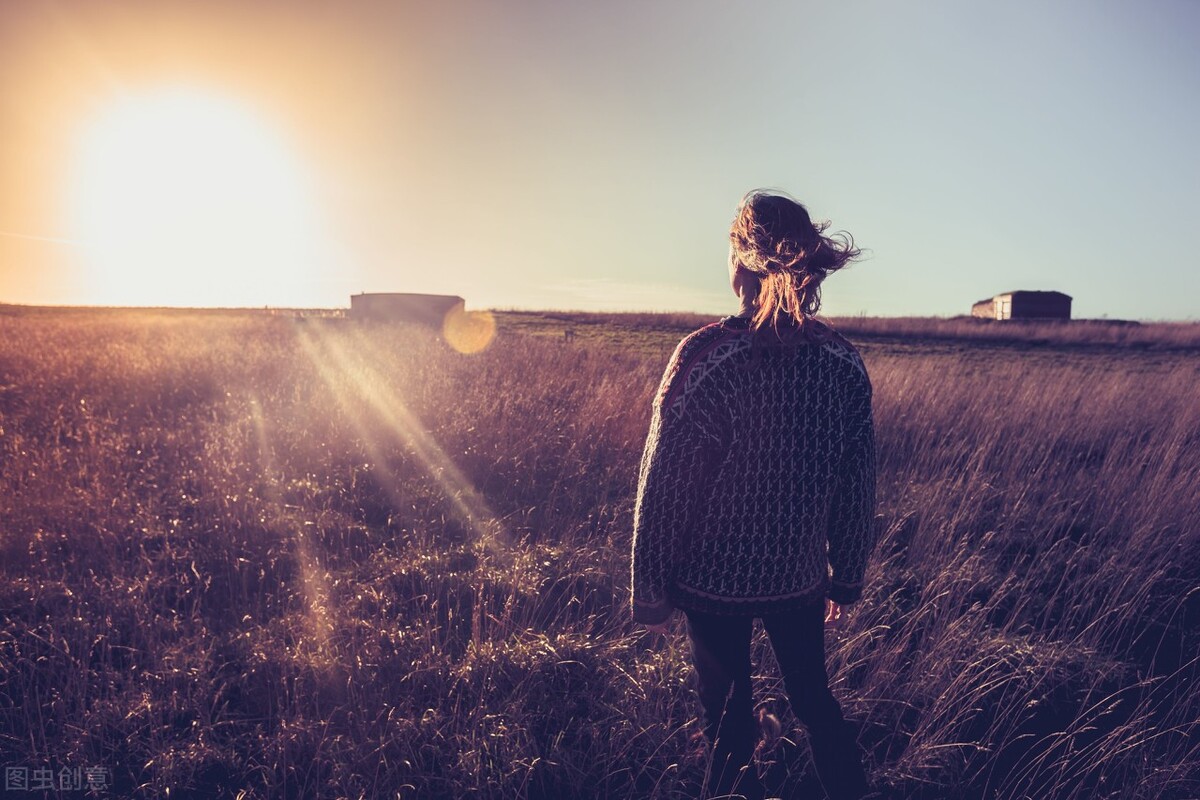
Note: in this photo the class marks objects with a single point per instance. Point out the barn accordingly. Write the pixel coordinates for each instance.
(428, 309)
(1024, 304)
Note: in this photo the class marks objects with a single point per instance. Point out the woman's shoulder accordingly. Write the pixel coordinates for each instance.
(842, 348)
(699, 353)
(704, 339)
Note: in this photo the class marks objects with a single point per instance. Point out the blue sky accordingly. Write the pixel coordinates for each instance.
(591, 155)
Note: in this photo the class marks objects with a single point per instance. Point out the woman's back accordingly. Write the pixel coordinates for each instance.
(764, 442)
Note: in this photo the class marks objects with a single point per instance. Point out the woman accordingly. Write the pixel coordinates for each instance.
(757, 489)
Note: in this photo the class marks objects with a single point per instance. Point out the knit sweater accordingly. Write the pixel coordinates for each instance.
(758, 476)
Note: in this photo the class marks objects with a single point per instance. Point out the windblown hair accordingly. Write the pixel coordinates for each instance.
(774, 239)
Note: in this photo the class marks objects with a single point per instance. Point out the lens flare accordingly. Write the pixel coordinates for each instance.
(468, 331)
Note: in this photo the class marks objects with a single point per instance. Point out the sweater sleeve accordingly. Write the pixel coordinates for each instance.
(684, 437)
(852, 515)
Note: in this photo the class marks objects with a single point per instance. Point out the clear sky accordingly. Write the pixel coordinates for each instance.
(590, 154)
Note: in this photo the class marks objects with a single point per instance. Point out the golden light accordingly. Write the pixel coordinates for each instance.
(183, 197)
(468, 331)
(355, 381)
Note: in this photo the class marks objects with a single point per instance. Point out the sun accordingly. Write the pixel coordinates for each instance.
(184, 197)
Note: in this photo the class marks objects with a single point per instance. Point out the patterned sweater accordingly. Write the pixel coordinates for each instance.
(758, 477)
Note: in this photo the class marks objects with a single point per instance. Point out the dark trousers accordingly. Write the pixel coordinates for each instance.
(721, 655)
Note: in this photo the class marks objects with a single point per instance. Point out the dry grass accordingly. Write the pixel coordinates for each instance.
(1088, 333)
(303, 558)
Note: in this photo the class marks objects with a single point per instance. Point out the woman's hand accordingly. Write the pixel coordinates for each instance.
(833, 614)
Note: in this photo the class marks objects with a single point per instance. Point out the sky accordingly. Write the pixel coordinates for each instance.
(580, 155)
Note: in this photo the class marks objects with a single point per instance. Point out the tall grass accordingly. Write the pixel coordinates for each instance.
(303, 558)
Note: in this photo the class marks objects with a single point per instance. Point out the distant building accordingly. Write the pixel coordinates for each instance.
(428, 309)
(1024, 304)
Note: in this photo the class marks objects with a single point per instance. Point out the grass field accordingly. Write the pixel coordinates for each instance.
(247, 555)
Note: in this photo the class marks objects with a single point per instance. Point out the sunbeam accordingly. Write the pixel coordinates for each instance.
(333, 362)
(390, 480)
(312, 579)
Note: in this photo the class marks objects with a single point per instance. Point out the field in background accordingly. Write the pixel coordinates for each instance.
(300, 557)
(900, 332)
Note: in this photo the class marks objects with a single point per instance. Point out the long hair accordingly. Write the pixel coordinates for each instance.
(774, 239)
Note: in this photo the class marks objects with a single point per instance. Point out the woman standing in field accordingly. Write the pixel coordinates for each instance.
(756, 493)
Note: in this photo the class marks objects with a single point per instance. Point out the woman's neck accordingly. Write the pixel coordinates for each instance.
(748, 307)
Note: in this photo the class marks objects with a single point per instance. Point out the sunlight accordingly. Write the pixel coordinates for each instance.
(472, 509)
(183, 197)
(315, 589)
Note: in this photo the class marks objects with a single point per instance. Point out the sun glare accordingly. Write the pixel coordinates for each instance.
(181, 197)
